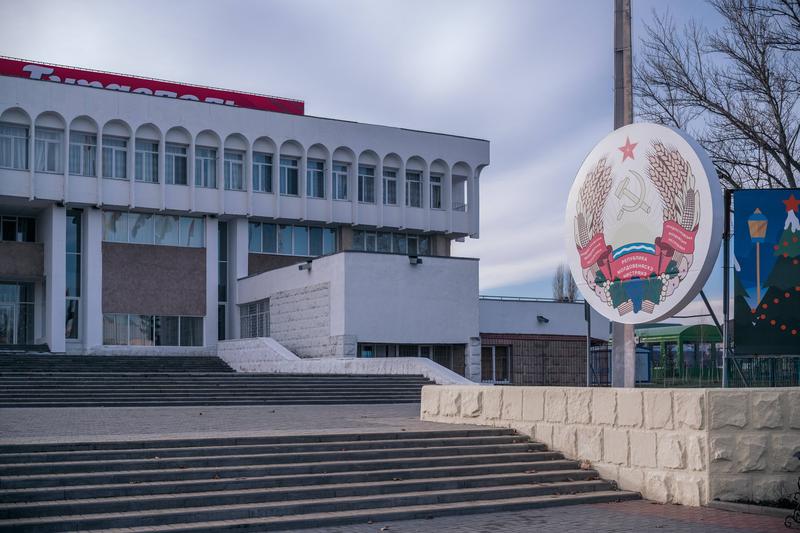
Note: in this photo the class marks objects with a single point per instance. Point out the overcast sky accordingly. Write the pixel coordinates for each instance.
(533, 77)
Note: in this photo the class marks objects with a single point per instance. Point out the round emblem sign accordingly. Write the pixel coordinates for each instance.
(644, 223)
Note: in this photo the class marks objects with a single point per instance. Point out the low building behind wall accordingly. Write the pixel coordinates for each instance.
(532, 341)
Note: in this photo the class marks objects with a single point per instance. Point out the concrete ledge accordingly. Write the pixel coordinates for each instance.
(686, 446)
(269, 356)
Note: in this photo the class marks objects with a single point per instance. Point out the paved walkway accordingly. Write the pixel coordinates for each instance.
(624, 517)
(113, 423)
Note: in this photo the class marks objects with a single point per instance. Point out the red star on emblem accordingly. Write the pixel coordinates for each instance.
(627, 150)
(791, 204)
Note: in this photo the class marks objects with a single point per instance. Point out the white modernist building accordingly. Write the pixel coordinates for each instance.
(141, 223)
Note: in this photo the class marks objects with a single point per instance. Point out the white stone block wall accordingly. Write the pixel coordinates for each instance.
(300, 320)
(686, 446)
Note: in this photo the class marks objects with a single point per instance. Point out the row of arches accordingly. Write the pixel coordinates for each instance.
(233, 141)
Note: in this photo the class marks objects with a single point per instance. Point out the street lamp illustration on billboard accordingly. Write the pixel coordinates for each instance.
(757, 223)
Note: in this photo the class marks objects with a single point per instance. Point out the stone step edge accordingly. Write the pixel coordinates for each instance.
(184, 442)
(401, 486)
(388, 514)
(587, 486)
(553, 468)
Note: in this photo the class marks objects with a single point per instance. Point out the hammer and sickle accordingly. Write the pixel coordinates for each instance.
(638, 200)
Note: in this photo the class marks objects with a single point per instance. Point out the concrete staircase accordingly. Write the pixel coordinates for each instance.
(284, 482)
(100, 381)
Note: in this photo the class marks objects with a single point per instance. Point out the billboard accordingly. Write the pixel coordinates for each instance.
(644, 223)
(131, 84)
(766, 277)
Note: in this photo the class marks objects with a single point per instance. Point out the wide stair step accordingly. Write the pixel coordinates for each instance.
(266, 483)
(182, 381)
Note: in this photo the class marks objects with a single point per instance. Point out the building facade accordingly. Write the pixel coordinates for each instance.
(135, 222)
(536, 341)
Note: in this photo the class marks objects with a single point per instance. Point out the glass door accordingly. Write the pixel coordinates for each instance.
(496, 364)
(7, 326)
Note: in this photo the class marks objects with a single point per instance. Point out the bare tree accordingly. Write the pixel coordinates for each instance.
(564, 286)
(735, 89)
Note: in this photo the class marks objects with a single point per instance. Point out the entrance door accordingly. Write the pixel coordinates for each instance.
(8, 328)
(496, 364)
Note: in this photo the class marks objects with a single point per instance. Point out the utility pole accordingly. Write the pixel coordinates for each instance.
(623, 356)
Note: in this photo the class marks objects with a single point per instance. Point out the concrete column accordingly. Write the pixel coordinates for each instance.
(32, 160)
(237, 268)
(65, 192)
(54, 237)
(220, 163)
(276, 182)
(303, 182)
(379, 190)
(162, 171)
(99, 165)
(91, 279)
(329, 185)
(623, 373)
(426, 196)
(447, 197)
(353, 191)
(248, 178)
(190, 164)
(212, 281)
(131, 169)
(401, 193)
(473, 359)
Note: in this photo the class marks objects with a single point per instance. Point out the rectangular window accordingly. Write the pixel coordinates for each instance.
(146, 161)
(285, 237)
(384, 242)
(315, 179)
(73, 274)
(315, 241)
(262, 172)
(115, 157)
(166, 330)
(167, 230)
(389, 186)
(329, 241)
(339, 182)
(13, 146)
(269, 242)
(413, 189)
(412, 244)
(140, 330)
(17, 229)
(205, 167)
(254, 319)
(191, 333)
(175, 164)
(301, 240)
(289, 181)
(82, 154)
(366, 184)
(399, 245)
(358, 240)
(49, 147)
(254, 237)
(436, 191)
(115, 330)
(234, 170)
(146, 228)
(140, 228)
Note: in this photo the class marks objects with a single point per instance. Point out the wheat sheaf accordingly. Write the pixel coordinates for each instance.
(592, 201)
(672, 176)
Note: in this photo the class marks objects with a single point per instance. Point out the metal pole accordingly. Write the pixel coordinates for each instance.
(588, 313)
(623, 358)
(726, 274)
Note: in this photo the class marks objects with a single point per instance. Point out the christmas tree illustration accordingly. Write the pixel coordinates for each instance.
(777, 316)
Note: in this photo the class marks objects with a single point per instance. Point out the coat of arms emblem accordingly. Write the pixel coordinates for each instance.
(641, 208)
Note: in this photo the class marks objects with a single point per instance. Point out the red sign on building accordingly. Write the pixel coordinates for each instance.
(132, 84)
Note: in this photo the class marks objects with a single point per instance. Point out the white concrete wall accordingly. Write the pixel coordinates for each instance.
(686, 446)
(378, 298)
(520, 316)
(300, 320)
